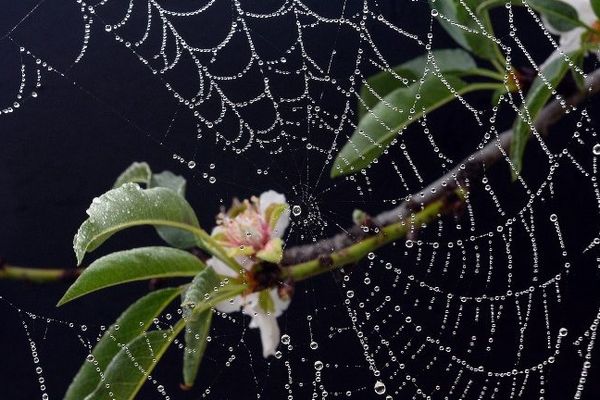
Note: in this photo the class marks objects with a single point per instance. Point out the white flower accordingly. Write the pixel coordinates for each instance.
(251, 232)
(572, 40)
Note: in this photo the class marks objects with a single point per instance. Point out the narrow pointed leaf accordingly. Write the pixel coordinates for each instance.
(133, 265)
(537, 97)
(377, 130)
(197, 324)
(173, 236)
(596, 7)
(135, 320)
(560, 15)
(138, 172)
(128, 206)
(381, 84)
(130, 368)
(464, 25)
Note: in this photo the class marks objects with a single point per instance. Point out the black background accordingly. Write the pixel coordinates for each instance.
(66, 146)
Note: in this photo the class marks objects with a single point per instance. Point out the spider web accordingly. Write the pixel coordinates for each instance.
(485, 304)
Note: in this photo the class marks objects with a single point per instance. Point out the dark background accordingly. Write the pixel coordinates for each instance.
(67, 145)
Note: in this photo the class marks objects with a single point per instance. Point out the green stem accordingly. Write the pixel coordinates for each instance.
(38, 275)
(487, 73)
(359, 250)
(482, 86)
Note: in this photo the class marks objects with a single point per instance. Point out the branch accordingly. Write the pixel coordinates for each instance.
(433, 201)
(37, 275)
(445, 185)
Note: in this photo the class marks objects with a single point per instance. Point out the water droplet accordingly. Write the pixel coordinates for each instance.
(379, 387)
(296, 210)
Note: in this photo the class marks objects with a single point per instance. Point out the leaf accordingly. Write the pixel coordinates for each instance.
(135, 320)
(560, 15)
(380, 85)
(173, 236)
(578, 77)
(129, 369)
(537, 97)
(377, 130)
(449, 11)
(596, 7)
(169, 180)
(138, 172)
(487, 5)
(128, 206)
(133, 265)
(197, 324)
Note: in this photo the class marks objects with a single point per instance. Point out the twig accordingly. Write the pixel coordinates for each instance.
(338, 250)
(38, 275)
(448, 183)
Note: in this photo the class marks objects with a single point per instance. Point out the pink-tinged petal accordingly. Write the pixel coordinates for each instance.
(220, 267)
(270, 197)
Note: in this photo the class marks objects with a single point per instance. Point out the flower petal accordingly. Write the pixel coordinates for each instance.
(220, 267)
(231, 305)
(269, 332)
(280, 304)
(270, 197)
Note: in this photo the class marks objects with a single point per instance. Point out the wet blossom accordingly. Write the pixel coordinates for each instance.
(251, 232)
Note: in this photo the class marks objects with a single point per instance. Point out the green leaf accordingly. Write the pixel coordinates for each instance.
(450, 11)
(381, 84)
(579, 79)
(135, 320)
(128, 206)
(560, 15)
(133, 265)
(138, 172)
(596, 7)
(403, 106)
(130, 368)
(173, 236)
(197, 324)
(487, 5)
(537, 97)
(169, 180)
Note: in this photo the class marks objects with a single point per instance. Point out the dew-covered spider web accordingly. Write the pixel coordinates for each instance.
(497, 300)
